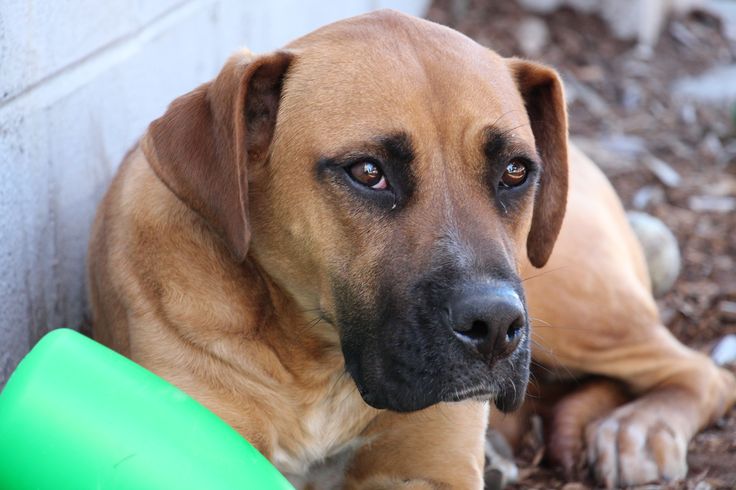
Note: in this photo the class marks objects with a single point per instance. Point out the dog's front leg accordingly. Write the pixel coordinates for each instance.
(646, 439)
(440, 447)
(678, 391)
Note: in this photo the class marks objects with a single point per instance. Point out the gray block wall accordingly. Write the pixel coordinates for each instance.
(79, 82)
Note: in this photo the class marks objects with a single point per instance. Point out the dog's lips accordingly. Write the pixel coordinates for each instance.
(479, 393)
(384, 383)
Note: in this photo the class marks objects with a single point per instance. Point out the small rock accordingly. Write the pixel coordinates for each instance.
(500, 466)
(663, 171)
(592, 101)
(648, 195)
(500, 444)
(532, 35)
(717, 204)
(631, 96)
(711, 146)
(609, 160)
(683, 35)
(724, 351)
(660, 250)
(703, 485)
(727, 310)
(688, 115)
(625, 145)
(726, 11)
(716, 86)
(494, 479)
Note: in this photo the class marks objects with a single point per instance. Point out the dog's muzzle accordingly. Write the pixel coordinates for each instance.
(470, 342)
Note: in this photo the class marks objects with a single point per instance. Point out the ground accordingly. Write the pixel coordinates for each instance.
(667, 155)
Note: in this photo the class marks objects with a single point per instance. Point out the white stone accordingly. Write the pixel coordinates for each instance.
(532, 35)
(660, 250)
(716, 86)
(724, 351)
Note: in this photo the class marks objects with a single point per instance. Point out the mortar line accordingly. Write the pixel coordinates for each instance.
(71, 77)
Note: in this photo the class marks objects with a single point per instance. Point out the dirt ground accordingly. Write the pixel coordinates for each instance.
(643, 135)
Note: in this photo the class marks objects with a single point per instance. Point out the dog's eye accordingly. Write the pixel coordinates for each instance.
(368, 174)
(514, 175)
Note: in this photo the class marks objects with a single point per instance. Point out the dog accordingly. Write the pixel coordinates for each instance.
(327, 246)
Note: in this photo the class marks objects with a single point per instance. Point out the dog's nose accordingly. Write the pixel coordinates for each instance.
(490, 318)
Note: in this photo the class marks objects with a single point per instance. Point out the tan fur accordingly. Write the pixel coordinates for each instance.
(214, 247)
(593, 313)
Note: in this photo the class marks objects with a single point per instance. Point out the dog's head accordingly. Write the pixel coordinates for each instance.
(388, 173)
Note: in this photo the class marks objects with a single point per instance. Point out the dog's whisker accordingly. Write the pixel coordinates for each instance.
(553, 357)
(557, 326)
(542, 367)
(514, 129)
(533, 381)
(310, 310)
(544, 273)
(504, 115)
(535, 319)
(542, 347)
(310, 325)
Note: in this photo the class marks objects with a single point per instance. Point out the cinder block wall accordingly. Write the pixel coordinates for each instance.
(79, 82)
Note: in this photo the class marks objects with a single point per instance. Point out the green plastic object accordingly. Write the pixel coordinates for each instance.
(76, 415)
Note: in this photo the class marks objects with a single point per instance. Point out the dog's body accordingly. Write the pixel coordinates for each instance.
(358, 210)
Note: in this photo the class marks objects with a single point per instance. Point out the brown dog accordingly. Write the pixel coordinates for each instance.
(357, 210)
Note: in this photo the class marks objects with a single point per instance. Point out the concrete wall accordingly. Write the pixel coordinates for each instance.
(79, 82)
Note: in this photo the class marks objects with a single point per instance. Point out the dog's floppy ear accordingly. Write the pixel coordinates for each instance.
(202, 146)
(544, 98)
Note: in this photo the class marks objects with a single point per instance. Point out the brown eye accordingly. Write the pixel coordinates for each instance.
(514, 176)
(369, 174)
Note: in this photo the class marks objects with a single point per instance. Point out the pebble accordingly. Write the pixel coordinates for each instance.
(663, 171)
(533, 35)
(724, 351)
(726, 11)
(647, 196)
(715, 86)
(727, 310)
(500, 466)
(660, 249)
(703, 485)
(711, 146)
(717, 204)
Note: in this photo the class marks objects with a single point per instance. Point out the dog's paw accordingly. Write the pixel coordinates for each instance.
(634, 446)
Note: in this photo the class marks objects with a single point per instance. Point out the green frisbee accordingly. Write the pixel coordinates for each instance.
(76, 415)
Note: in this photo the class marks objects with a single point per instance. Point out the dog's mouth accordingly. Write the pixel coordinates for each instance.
(397, 393)
(402, 376)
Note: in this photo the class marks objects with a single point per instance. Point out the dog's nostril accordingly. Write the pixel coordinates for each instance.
(478, 330)
(514, 330)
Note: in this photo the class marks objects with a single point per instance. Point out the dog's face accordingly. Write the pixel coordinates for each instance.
(385, 177)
